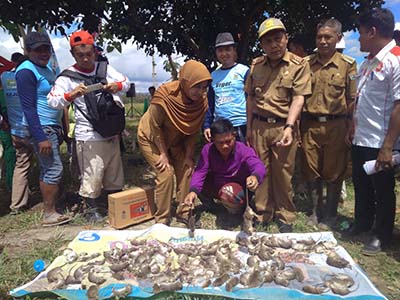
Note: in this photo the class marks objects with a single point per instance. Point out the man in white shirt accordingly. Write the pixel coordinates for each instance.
(99, 157)
(376, 128)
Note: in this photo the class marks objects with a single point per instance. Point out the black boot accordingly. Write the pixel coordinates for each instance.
(91, 211)
(332, 201)
(315, 193)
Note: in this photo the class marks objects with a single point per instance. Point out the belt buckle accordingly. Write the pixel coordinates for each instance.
(322, 119)
(271, 120)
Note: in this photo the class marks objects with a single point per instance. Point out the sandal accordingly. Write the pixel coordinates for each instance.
(55, 219)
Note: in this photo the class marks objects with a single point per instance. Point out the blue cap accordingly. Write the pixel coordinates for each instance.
(39, 265)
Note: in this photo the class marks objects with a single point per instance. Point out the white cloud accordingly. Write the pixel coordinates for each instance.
(138, 66)
(353, 46)
(132, 62)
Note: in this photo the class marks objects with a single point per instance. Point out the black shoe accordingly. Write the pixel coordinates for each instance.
(211, 207)
(372, 247)
(283, 227)
(327, 224)
(257, 222)
(18, 211)
(92, 215)
(92, 212)
(354, 230)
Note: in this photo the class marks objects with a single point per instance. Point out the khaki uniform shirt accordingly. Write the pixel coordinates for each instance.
(272, 88)
(333, 85)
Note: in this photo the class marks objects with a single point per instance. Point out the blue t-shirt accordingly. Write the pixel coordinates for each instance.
(226, 97)
(14, 110)
(33, 84)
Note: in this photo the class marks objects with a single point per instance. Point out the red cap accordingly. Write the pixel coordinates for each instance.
(231, 196)
(81, 38)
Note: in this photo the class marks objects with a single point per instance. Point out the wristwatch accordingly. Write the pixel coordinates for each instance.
(288, 125)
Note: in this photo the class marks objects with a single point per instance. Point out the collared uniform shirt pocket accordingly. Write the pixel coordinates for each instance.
(284, 86)
(336, 86)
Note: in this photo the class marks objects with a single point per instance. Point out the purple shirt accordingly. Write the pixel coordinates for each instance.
(241, 163)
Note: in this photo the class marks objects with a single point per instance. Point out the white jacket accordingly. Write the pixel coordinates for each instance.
(83, 129)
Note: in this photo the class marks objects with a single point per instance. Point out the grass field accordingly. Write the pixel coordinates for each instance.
(23, 240)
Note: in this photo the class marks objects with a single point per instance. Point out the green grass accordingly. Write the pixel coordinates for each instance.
(17, 266)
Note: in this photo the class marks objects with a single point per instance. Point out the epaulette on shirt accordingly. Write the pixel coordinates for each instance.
(348, 59)
(310, 57)
(395, 51)
(258, 60)
(296, 59)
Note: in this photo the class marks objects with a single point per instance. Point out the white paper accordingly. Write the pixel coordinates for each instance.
(369, 166)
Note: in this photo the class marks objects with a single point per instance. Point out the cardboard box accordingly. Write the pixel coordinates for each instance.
(131, 207)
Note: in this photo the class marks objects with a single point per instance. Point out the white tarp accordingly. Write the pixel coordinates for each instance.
(315, 267)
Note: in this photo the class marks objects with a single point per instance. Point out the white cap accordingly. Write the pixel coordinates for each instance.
(341, 44)
(397, 26)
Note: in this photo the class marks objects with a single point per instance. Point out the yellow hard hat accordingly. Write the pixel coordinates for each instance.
(270, 24)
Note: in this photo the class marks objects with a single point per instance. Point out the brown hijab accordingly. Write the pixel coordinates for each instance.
(185, 114)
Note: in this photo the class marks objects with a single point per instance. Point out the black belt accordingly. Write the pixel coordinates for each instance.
(322, 119)
(269, 120)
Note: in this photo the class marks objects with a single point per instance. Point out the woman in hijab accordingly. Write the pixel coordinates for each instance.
(167, 136)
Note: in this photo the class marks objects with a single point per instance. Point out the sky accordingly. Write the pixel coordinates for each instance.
(132, 62)
(137, 66)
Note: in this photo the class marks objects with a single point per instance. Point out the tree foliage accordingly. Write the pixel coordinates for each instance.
(181, 26)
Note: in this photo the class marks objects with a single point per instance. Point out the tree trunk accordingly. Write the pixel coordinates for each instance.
(174, 71)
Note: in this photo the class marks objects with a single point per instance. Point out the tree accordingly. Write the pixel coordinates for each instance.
(172, 67)
(188, 27)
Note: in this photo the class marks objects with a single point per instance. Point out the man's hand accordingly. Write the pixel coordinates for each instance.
(190, 199)
(207, 134)
(163, 163)
(384, 159)
(79, 91)
(45, 147)
(189, 164)
(111, 87)
(251, 183)
(287, 138)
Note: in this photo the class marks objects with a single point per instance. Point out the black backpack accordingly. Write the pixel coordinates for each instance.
(106, 117)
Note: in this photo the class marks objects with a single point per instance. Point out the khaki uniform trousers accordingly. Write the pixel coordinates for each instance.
(20, 186)
(273, 198)
(325, 151)
(165, 181)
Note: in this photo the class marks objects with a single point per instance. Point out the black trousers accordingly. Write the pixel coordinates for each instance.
(375, 199)
(240, 133)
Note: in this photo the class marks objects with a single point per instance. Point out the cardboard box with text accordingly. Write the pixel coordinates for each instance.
(131, 207)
